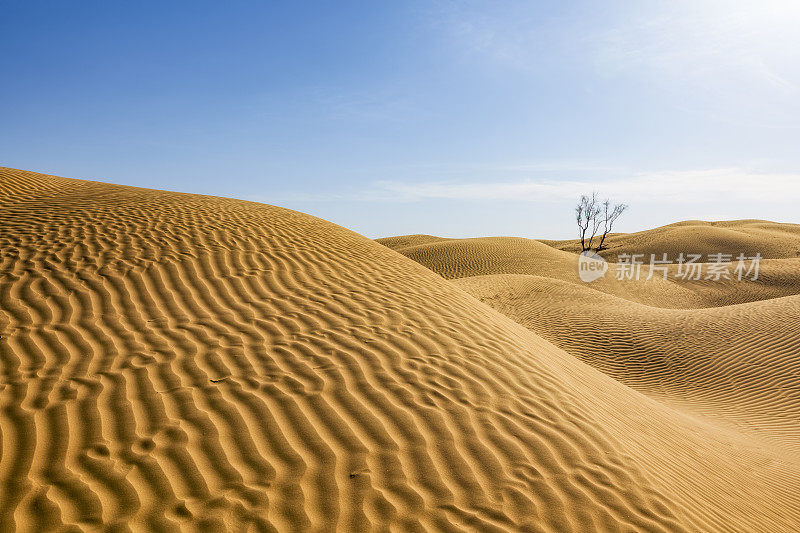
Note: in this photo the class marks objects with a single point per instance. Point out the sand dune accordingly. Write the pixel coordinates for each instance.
(462, 258)
(738, 363)
(726, 352)
(406, 241)
(720, 348)
(172, 361)
(771, 239)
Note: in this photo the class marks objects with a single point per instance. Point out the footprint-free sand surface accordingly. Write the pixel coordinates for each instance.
(180, 362)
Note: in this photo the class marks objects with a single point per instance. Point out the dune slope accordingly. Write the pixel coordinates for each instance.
(463, 258)
(773, 240)
(177, 361)
(739, 363)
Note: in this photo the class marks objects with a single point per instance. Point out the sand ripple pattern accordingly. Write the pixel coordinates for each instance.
(738, 363)
(177, 362)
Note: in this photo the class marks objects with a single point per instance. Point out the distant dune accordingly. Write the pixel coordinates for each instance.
(461, 258)
(771, 239)
(724, 351)
(738, 363)
(181, 362)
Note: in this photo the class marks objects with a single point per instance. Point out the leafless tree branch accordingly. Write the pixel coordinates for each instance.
(589, 213)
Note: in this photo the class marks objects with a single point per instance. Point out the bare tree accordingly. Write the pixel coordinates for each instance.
(596, 223)
(610, 215)
(589, 213)
(586, 214)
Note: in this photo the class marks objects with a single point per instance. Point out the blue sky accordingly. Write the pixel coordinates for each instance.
(450, 118)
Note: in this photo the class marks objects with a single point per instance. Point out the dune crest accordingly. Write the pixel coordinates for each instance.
(736, 363)
(484, 256)
(773, 240)
(174, 361)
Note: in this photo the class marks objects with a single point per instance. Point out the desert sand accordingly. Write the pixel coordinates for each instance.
(770, 239)
(175, 362)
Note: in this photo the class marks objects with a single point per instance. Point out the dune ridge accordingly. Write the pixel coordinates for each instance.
(723, 351)
(773, 240)
(173, 361)
(722, 348)
(483, 256)
(738, 363)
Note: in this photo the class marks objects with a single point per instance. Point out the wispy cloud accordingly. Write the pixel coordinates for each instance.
(684, 186)
(730, 60)
(682, 38)
(511, 34)
(687, 38)
(734, 61)
(337, 104)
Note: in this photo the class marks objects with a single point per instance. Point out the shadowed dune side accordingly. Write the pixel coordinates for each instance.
(736, 363)
(461, 258)
(177, 361)
(772, 240)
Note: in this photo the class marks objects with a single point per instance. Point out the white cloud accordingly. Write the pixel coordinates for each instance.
(666, 187)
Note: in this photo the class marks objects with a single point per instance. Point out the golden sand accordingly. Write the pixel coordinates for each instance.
(181, 362)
